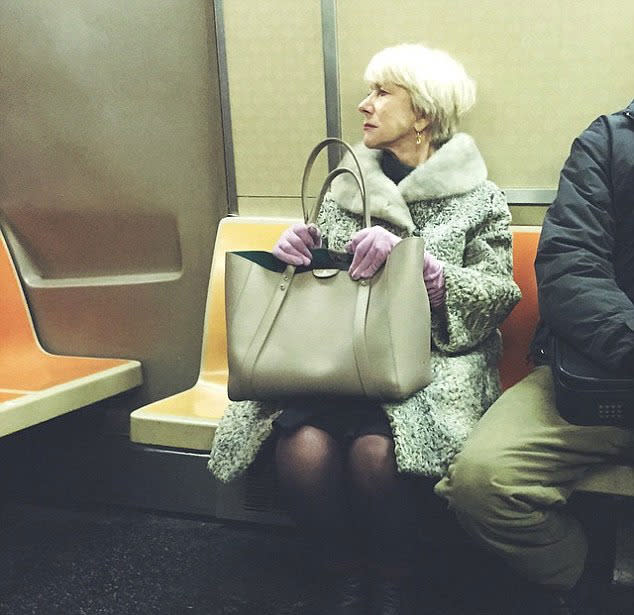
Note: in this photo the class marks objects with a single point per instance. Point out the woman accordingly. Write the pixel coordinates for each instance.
(347, 469)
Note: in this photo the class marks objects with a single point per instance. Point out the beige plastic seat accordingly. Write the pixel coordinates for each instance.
(36, 385)
(188, 420)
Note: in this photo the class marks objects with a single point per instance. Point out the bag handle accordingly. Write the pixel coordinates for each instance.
(312, 218)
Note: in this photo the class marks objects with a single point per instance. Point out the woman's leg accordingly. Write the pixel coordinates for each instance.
(384, 504)
(310, 471)
(309, 464)
(383, 501)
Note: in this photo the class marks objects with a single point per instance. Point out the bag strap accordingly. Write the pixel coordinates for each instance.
(360, 342)
(358, 177)
(266, 324)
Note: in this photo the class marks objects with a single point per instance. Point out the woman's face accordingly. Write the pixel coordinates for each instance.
(388, 118)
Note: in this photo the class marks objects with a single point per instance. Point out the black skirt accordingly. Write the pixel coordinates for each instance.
(344, 419)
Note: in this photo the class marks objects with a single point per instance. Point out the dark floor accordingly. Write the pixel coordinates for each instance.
(97, 560)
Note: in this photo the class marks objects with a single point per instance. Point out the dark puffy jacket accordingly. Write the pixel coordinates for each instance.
(585, 259)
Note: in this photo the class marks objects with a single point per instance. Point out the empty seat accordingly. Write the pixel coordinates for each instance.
(36, 385)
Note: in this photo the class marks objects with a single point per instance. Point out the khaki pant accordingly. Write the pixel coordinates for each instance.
(509, 485)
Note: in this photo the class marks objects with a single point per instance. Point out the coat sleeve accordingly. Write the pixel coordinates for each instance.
(579, 297)
(480, 293)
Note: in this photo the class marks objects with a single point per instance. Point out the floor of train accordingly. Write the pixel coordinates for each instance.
(99, 560)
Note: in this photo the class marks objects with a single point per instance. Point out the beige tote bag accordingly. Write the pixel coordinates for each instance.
(304, 331)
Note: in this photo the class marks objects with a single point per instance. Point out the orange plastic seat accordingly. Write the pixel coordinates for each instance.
(517, 330)
(36, 385)
(188, 420)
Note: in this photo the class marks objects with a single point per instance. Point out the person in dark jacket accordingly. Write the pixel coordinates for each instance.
(509, 485)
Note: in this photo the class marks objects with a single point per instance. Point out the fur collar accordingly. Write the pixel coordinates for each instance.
(457, 167)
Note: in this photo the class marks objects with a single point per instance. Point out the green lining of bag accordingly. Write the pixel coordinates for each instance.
(322, 259)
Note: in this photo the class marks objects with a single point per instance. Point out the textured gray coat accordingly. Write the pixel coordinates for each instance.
(464, 220)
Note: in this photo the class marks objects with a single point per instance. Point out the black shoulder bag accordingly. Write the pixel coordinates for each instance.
(589, 394)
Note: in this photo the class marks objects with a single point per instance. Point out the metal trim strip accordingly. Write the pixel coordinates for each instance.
(331, 76)
(225, 107)
(530, 196)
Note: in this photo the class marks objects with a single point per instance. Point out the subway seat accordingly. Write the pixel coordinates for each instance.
(36, 385)
(188, 420)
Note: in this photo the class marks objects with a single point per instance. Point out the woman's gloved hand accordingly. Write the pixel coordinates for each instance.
(293, 246)
(371, 247)
(434, 277)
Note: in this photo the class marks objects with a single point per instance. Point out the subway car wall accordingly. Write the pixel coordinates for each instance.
(130, 128)
(112, 183)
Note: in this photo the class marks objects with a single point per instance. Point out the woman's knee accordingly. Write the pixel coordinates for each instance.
(306, 449)
(371, 460)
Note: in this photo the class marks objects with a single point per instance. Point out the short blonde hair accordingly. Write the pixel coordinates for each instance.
(438, 85)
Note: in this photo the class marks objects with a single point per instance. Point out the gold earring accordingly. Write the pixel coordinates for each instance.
(419, 140)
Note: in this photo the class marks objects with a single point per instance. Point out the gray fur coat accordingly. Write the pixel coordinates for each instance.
(464, 220)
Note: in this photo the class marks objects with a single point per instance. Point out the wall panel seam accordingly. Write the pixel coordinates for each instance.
(225, 107)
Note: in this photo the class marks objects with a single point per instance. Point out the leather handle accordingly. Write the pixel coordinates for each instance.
(310, 218)
(326, 185)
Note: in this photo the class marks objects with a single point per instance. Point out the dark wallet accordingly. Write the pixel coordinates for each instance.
(587, 393)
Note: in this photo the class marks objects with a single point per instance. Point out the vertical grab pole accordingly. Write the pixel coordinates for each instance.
(331, 76)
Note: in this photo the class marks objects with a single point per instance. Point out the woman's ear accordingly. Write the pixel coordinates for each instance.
(421, 124)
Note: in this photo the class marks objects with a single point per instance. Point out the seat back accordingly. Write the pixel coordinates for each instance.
(234, 233)
(16, 326)
(24, 365)
(518, 329)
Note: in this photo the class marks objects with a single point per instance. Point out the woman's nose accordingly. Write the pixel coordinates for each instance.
(364, 105)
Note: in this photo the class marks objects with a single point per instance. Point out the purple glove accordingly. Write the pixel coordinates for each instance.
(293, 246)
(371, 247)
(434, 277)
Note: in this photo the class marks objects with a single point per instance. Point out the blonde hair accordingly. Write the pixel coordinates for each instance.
(438, 85)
